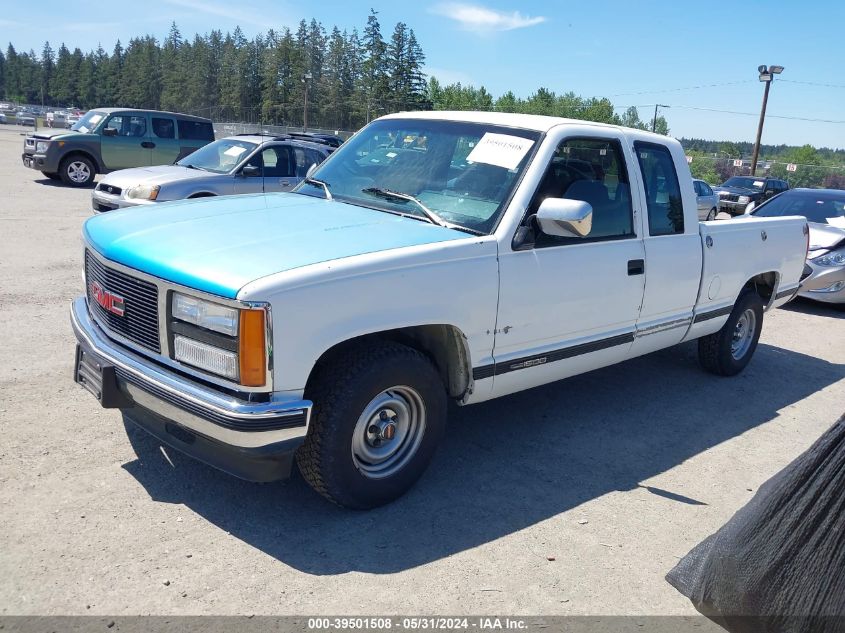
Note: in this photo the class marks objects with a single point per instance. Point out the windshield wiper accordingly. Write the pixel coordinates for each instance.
(430, 215)
(320, 183)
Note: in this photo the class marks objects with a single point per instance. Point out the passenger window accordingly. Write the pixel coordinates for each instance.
(164, 128)
(137, 127)
(706, 190)
(591, 170)
(277, 162)
(663, 193)
(115, 123)
(195, 130)
(697, 186)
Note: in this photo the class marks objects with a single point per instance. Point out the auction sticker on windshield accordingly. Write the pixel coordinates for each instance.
(501, 150)
(235, 150)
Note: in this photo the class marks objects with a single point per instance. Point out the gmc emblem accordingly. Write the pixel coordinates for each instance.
(108, 300)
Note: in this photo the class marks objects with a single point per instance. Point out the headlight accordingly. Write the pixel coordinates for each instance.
(143, 192)
(240, 355)
(41, 146)
(836, 258)
(211, 316)
(744, 199)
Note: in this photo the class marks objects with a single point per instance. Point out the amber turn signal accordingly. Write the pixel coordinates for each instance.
(252, 353)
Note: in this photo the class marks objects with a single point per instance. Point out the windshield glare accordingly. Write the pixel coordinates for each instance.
(219, 157)
(745, 183)
(816, 207)
(88, 123)
(463, 172)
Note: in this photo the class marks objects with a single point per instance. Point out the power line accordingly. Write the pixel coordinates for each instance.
(811, 83)
(650, 92)
(772, 116)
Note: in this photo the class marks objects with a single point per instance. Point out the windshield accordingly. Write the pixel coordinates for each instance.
(446, 171)
(88, 123)
(821, 207)
(745, 183)
(219, 157)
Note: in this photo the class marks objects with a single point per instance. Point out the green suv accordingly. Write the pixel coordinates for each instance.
(107, 139)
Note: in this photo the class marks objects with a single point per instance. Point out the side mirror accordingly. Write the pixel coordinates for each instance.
(250, 171)
(109, 131)
(565, 218)
(311, 170)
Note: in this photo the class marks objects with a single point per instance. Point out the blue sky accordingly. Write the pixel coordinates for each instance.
(636, 53)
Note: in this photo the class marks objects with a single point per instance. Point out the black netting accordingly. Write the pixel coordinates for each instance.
(778, 566)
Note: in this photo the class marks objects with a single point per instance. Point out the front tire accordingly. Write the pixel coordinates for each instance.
(379, 414)
(52, 175)
(712, 215)
(77, 171)
(728, 351)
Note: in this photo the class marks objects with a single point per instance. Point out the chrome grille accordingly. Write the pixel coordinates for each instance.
(139, 322)
(115, 191)
(731, 197)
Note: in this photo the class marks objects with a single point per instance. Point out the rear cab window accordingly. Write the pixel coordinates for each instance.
(163, 127)
(663, 191)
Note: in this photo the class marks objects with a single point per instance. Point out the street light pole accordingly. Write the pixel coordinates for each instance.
(766, 75)
(305, 78)
(654, 120)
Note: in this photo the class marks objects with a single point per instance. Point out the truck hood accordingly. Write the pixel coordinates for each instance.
(218, 245)
(158, 175)
(47, 134)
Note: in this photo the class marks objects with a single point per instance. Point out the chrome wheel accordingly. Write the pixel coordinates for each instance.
(78, 171)
(388, 432)
(743, 334)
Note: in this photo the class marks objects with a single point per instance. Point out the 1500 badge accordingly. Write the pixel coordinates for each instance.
(529, 363)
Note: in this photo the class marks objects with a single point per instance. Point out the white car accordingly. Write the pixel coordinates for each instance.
(435, 256)
(706, 200)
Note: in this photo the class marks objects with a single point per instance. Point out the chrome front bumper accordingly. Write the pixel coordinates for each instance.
(199, 409)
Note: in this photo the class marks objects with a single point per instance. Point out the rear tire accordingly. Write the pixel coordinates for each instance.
(728, 351)
(379, 414)
(77, 171)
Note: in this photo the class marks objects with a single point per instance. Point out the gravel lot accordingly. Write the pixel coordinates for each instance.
(612, 475)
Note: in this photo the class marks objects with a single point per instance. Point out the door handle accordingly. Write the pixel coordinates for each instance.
(284, 183)
(148, 144)
(636, 267)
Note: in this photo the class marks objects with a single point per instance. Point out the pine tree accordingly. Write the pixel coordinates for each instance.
(173, 71)
(48, 65)
(374, 78)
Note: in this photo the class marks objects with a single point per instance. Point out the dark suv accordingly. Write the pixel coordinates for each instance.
(740, 194)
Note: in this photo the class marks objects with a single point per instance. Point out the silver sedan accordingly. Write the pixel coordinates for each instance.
(825, 211)
(235, 165)
(708, 200)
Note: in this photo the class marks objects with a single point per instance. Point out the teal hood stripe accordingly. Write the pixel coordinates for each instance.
(218, 245)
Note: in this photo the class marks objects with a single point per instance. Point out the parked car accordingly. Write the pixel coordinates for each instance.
(246, 163)
(72, 119)
(55, 119)
(24, 118)
(825, 212)
(3, 118)
(333, 324)
(740, 194)
(707, 200)
(107, 139)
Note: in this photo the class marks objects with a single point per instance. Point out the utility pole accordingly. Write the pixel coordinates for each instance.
(654, 120)
(766, 75)
(305, 79)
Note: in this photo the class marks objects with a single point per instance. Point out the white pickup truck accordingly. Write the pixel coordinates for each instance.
(434, 256)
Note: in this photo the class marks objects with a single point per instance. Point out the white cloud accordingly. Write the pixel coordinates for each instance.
(473, 17)
(238, 13)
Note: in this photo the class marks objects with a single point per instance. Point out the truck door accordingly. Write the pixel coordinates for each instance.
(125, 141)
(672, 249)
(165, 149)
(568, 305)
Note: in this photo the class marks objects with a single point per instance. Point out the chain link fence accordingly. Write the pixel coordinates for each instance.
(222, 130)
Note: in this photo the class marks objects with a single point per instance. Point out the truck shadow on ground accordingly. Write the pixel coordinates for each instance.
(505, 465)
